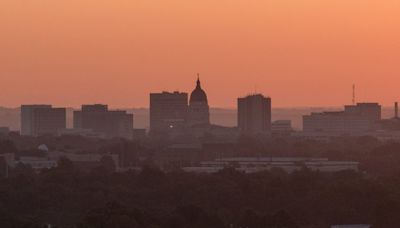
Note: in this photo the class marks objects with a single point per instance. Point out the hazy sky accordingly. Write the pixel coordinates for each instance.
(299, 52)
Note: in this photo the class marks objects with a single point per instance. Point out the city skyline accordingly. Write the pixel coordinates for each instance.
(69, 53)
(353, 99)
(205, 114)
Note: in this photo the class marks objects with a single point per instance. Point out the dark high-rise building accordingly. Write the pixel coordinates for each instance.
(254, 114)
(168, 111)
(109, 123)
(39, 120)
(199, 111)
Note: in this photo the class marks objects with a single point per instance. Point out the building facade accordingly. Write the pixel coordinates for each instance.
(109, 123)
(39, 120)
(335, 123)
(254, 114)
(370, 111)
(168, 111)
(260, 164)
(281, 127)
(354, 120)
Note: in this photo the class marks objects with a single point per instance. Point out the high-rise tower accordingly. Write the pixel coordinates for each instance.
(168, 111)
(254, 114)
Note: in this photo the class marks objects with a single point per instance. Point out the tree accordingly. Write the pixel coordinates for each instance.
(113, 215)
(282, 219)
(107, 162)
(7, 146)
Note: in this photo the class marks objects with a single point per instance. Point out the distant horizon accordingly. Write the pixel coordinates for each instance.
(211, 107)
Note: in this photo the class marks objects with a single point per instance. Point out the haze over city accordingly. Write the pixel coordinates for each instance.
(72, 52)
(199, 114)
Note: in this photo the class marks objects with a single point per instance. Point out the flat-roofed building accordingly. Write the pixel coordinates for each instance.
(281, 127)
(39, 120)
(336, 122)
(109, 123)
(259, 164)
(254, 114)
(371, 111)
(84, 161)
(354, 120)
(168, 111)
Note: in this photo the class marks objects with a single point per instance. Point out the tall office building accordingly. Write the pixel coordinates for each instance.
(168, 111)
(254, 114)
(111, 124)
(199, 111)
(39, 120)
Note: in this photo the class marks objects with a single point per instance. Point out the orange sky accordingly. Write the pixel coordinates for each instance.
(299, 52)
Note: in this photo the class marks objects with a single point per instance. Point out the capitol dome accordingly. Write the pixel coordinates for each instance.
(198, 94)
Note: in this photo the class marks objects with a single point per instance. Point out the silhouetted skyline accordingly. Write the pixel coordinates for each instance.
(211, 113)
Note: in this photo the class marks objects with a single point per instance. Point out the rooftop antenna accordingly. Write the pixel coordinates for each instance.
(354, 94)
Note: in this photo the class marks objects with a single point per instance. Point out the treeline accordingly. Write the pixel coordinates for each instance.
(66, 197)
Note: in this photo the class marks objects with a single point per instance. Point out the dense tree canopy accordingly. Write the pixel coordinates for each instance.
(67, 197)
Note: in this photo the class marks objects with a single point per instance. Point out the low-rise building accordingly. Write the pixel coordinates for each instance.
(281, 127)
(37, 163)
(84, 160)
(102, 121)
(354, 120)
(288, 164)
(82, 132)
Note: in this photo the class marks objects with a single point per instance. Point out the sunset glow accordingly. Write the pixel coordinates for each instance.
(301, 53)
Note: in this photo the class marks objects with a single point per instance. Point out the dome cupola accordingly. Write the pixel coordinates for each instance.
(198, 94)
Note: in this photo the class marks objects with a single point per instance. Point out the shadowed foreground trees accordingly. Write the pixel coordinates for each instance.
(65, 197)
